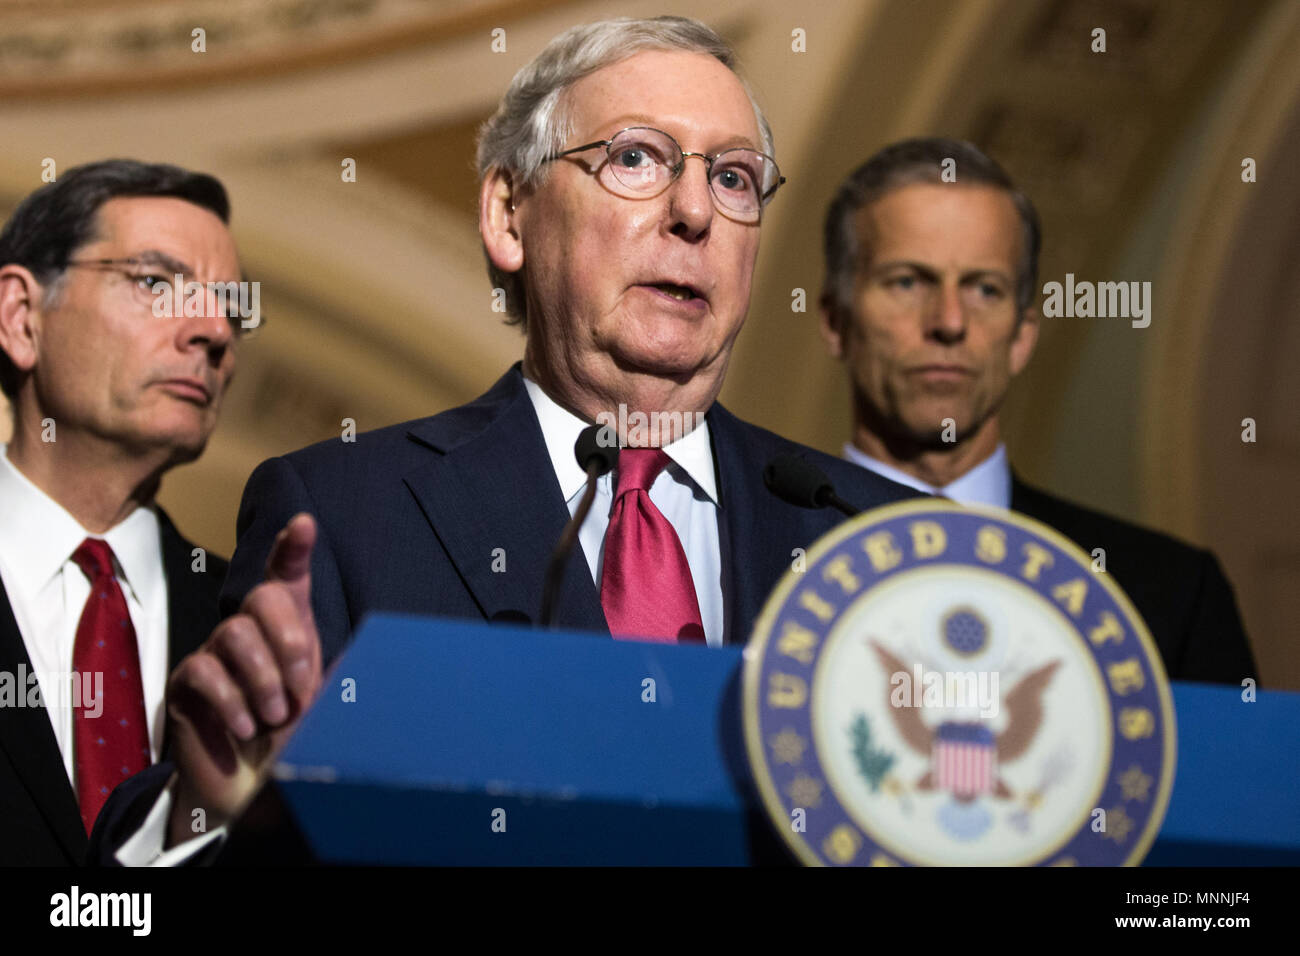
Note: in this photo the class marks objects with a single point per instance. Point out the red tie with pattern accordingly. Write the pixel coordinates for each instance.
(114, 745)
(645, 584)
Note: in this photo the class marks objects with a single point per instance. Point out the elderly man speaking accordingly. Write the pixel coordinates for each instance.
(624, 179)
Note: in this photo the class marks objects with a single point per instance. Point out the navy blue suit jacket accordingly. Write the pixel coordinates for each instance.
(1180, 591)
(410, 516)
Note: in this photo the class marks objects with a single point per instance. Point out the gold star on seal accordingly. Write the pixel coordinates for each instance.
(787, 747)
(1134, 784)
(1118, 825)
(804, 791)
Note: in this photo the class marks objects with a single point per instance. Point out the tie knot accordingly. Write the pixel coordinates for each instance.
(95, 558)
(638, 468)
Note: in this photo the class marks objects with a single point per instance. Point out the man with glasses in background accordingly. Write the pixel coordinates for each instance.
(623, 181)
(100, 595)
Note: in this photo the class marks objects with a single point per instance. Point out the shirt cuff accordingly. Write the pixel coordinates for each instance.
(145, 847)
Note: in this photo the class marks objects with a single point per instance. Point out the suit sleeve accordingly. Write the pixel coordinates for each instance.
(124, 812)
(1217, 650)
(275, 493)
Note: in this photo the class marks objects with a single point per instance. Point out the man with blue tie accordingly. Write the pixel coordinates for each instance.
(623, 182)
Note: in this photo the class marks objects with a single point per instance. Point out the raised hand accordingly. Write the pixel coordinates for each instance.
(232, 703)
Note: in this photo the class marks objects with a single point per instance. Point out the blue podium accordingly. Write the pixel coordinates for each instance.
(452, 742)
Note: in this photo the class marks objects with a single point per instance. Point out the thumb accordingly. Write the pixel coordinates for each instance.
(290, 559)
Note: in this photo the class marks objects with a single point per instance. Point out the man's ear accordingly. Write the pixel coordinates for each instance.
(831, 327)
(496, 221)
(1023, 340)
(20, 297)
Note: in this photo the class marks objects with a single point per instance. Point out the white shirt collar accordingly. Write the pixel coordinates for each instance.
(35, 526)
(693, 452)
(988, 483)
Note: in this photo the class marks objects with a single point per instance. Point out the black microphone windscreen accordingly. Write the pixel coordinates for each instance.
(597, 443)
(798, 481)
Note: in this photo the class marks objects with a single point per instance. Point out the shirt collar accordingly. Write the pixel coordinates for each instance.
(136, 541)
(38, 530)
(988, 483)
(693, 452)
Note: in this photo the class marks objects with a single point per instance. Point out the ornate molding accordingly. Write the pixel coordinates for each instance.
(78, 49)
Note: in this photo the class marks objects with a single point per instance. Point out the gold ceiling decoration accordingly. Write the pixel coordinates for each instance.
(81, 47)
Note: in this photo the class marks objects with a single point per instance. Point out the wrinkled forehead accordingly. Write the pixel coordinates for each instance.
(972, 224)
(182, 230)
(685, 94)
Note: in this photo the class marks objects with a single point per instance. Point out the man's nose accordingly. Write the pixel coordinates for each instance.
(211, 330)
(946, 315)
(690, 202)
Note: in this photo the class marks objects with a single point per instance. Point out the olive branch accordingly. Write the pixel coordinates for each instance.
(873, 764)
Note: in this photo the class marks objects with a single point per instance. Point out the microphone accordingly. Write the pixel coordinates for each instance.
(597, 453)
(798, 481)
(598, 444)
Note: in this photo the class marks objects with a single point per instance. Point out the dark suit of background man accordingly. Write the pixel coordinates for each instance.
(929, 303)
(106, 397)
(629, 265)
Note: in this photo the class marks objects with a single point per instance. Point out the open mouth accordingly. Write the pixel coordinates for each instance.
(681, 293)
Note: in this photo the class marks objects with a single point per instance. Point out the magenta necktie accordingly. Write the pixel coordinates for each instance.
(645, 584)
(115, 744)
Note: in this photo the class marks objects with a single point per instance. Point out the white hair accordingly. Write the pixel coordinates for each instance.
(533, 120)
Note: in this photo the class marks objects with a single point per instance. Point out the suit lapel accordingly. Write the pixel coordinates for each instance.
(191, 595)
(1019, 498)
(753, 541)
(481, 492)
(27, 737)
(191, 602)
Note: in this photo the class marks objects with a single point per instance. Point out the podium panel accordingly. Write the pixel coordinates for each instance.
(1236, 798)
(446, 742)
(474, 744)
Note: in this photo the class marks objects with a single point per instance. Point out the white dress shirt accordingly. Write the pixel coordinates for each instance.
(988, 483)
(48, 591)
(686, 492)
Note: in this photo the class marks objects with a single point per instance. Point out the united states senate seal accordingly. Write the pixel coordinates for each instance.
(934, 684)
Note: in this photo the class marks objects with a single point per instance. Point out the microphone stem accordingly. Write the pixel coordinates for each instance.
(558, 562)
(835, 501)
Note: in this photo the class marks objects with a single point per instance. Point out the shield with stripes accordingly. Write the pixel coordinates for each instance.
(963, 759)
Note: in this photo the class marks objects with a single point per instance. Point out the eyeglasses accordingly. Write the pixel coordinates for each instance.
(642, 162)
(148, 279)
